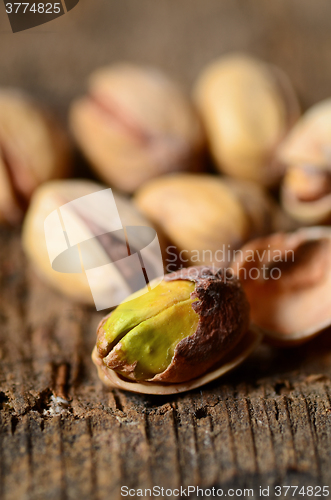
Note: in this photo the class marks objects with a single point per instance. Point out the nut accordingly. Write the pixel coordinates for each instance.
(207, 216)
(33, 149)
(306, 154)
(174, 334)
(136, 124)
(247, 107)
(287, 280)
(102, 247)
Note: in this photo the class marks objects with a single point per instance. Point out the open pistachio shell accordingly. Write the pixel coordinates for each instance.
(171, 338)
(287, 279)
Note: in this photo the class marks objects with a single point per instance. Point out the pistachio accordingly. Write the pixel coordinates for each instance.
(306, 154)
(118, 251)
(136, 124)
(206, 216)
(247, 107)
(181, 334)
(33, 149)
(287, 280)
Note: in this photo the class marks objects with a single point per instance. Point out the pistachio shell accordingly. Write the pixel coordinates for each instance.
(287, 279)
(33, 149)
(111, 247)
(136, 124)
(247, 107)
(205, 215)
(187, 331)
(199, 214)
(306, 153)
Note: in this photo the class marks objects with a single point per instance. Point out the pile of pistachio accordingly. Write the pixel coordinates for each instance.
(236, 167)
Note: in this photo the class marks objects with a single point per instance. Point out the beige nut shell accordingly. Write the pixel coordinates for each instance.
(33, 149)
(46, 199)
(247, 107)
(308, 145)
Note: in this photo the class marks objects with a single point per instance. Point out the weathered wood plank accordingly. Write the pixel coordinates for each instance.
(267, 423)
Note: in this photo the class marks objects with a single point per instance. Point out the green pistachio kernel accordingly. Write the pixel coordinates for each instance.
(144, 332)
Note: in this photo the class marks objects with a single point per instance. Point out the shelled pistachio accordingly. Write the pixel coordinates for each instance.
(187, 331)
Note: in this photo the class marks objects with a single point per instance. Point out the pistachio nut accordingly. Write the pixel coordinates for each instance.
(179, 335)
(85, 268)
(247, 107)
(33, 149)
(135, 124)
(306, 154)
(287, 280)
(206, 216)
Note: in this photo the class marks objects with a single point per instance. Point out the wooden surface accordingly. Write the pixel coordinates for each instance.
(267, 423)
(180, 36)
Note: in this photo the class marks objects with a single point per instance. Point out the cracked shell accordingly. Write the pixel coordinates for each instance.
(306, 154)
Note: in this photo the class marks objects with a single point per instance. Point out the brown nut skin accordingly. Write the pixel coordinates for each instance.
(223, 320)
(287, 280)
(247, 107)
(33, 149)
(135, 124)
(204, 214)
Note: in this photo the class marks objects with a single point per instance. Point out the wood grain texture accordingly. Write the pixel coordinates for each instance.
(267, 423)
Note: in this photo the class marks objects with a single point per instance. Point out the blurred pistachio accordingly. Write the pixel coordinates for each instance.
(101, 247)
(204, 214)
(247, 107)
(306, 154)
(33, 149)
(135, 124)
